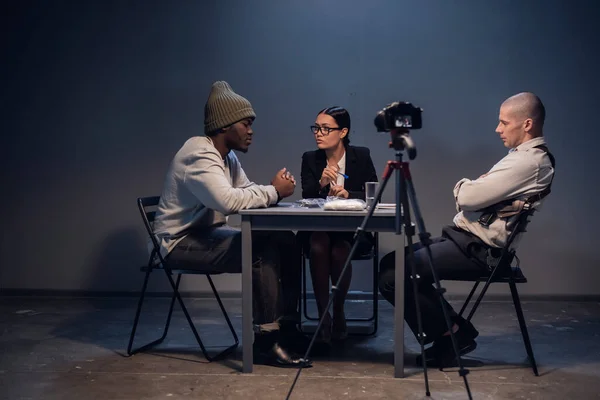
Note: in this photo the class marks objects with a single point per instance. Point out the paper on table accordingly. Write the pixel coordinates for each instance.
(386, 205)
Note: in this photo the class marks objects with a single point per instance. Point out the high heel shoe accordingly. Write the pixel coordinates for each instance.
(324, 335)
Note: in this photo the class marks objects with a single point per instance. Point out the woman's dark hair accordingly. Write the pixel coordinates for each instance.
(341, 117)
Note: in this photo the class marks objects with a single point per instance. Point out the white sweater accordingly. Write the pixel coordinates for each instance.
(201, 188)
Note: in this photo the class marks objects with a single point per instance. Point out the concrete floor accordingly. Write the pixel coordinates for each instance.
(59, 348)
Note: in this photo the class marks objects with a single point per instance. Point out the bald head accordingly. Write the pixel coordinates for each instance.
(521, 119)
(527, 105)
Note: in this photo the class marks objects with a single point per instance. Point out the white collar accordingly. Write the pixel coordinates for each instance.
(342, 162)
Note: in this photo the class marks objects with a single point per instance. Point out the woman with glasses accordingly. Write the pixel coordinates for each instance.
(335, 169)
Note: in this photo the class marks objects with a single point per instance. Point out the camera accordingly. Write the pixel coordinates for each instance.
(399, 114)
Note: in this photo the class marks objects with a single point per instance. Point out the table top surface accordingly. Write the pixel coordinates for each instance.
(292, 209)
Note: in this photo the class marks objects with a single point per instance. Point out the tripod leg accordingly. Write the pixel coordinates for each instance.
(409, 232)
(424, 237)
(398, 283)
(334, 287)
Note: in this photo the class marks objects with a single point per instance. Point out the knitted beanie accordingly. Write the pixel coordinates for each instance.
(224, 107)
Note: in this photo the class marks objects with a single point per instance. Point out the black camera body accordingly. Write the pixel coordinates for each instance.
(398, 115)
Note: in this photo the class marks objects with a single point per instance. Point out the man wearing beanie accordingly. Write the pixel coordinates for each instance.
(204, 183)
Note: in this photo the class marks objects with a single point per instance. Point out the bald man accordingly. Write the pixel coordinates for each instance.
(461, 251)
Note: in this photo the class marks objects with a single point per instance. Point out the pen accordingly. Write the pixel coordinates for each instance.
(344, 175)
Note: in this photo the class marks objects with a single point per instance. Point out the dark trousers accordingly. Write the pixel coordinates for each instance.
(449, 262)
(276, 268)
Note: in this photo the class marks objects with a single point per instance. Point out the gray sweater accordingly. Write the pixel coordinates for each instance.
(200, 189)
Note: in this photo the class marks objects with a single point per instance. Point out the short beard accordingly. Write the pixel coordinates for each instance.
(235, 146)
(240, 149)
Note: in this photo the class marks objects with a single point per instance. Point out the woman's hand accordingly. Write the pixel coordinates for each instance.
(338, 191)
(329, 175)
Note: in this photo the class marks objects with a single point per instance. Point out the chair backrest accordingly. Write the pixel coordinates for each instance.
(519, 226)
(147, 207)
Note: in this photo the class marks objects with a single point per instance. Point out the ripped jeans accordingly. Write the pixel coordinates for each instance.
(276, 268)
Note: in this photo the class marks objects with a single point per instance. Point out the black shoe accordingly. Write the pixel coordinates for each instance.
(466, 326)
(294, 340)
(270, 350)
(277, 356)
(441, 353)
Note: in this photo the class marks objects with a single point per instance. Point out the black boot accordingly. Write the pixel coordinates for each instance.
(441, 353)
(269, 350)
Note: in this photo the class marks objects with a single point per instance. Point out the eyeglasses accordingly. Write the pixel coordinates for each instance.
(325, 130)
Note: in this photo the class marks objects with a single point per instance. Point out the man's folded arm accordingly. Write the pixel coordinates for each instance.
(505, 181)
(205, 178)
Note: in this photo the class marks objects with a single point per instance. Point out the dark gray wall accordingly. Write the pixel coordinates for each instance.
(98, 96)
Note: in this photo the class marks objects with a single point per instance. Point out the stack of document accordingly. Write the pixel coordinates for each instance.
(386, 206)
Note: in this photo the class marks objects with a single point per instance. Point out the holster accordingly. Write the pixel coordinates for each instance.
(509, 208)
(501, 210)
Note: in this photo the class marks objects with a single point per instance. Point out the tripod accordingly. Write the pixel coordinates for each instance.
(405, 191)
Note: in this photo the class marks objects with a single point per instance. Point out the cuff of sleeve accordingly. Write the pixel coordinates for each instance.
(458, 185)
(274, 196)
(324, 191)
(456, 190)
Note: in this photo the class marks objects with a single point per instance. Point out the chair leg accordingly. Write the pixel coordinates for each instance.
(375, 299)
(505, 260)
(483, 291)
(479, 298)
(462, 310)
(168, 322)
(137, 318)
(233, 333)
(375, 289)
(523, 325)
(304, 293)
(376, 282)
(187, 315)
(304, 300)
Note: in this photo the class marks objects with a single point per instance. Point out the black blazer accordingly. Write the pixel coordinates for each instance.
(359, 168)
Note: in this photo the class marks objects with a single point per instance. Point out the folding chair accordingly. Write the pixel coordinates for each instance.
(146, 206)
(371, 255)
(503, 272)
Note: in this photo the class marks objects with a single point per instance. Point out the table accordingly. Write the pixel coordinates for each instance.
(288, 217)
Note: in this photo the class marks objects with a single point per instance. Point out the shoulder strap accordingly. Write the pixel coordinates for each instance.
(545, 150)
(547, 190)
